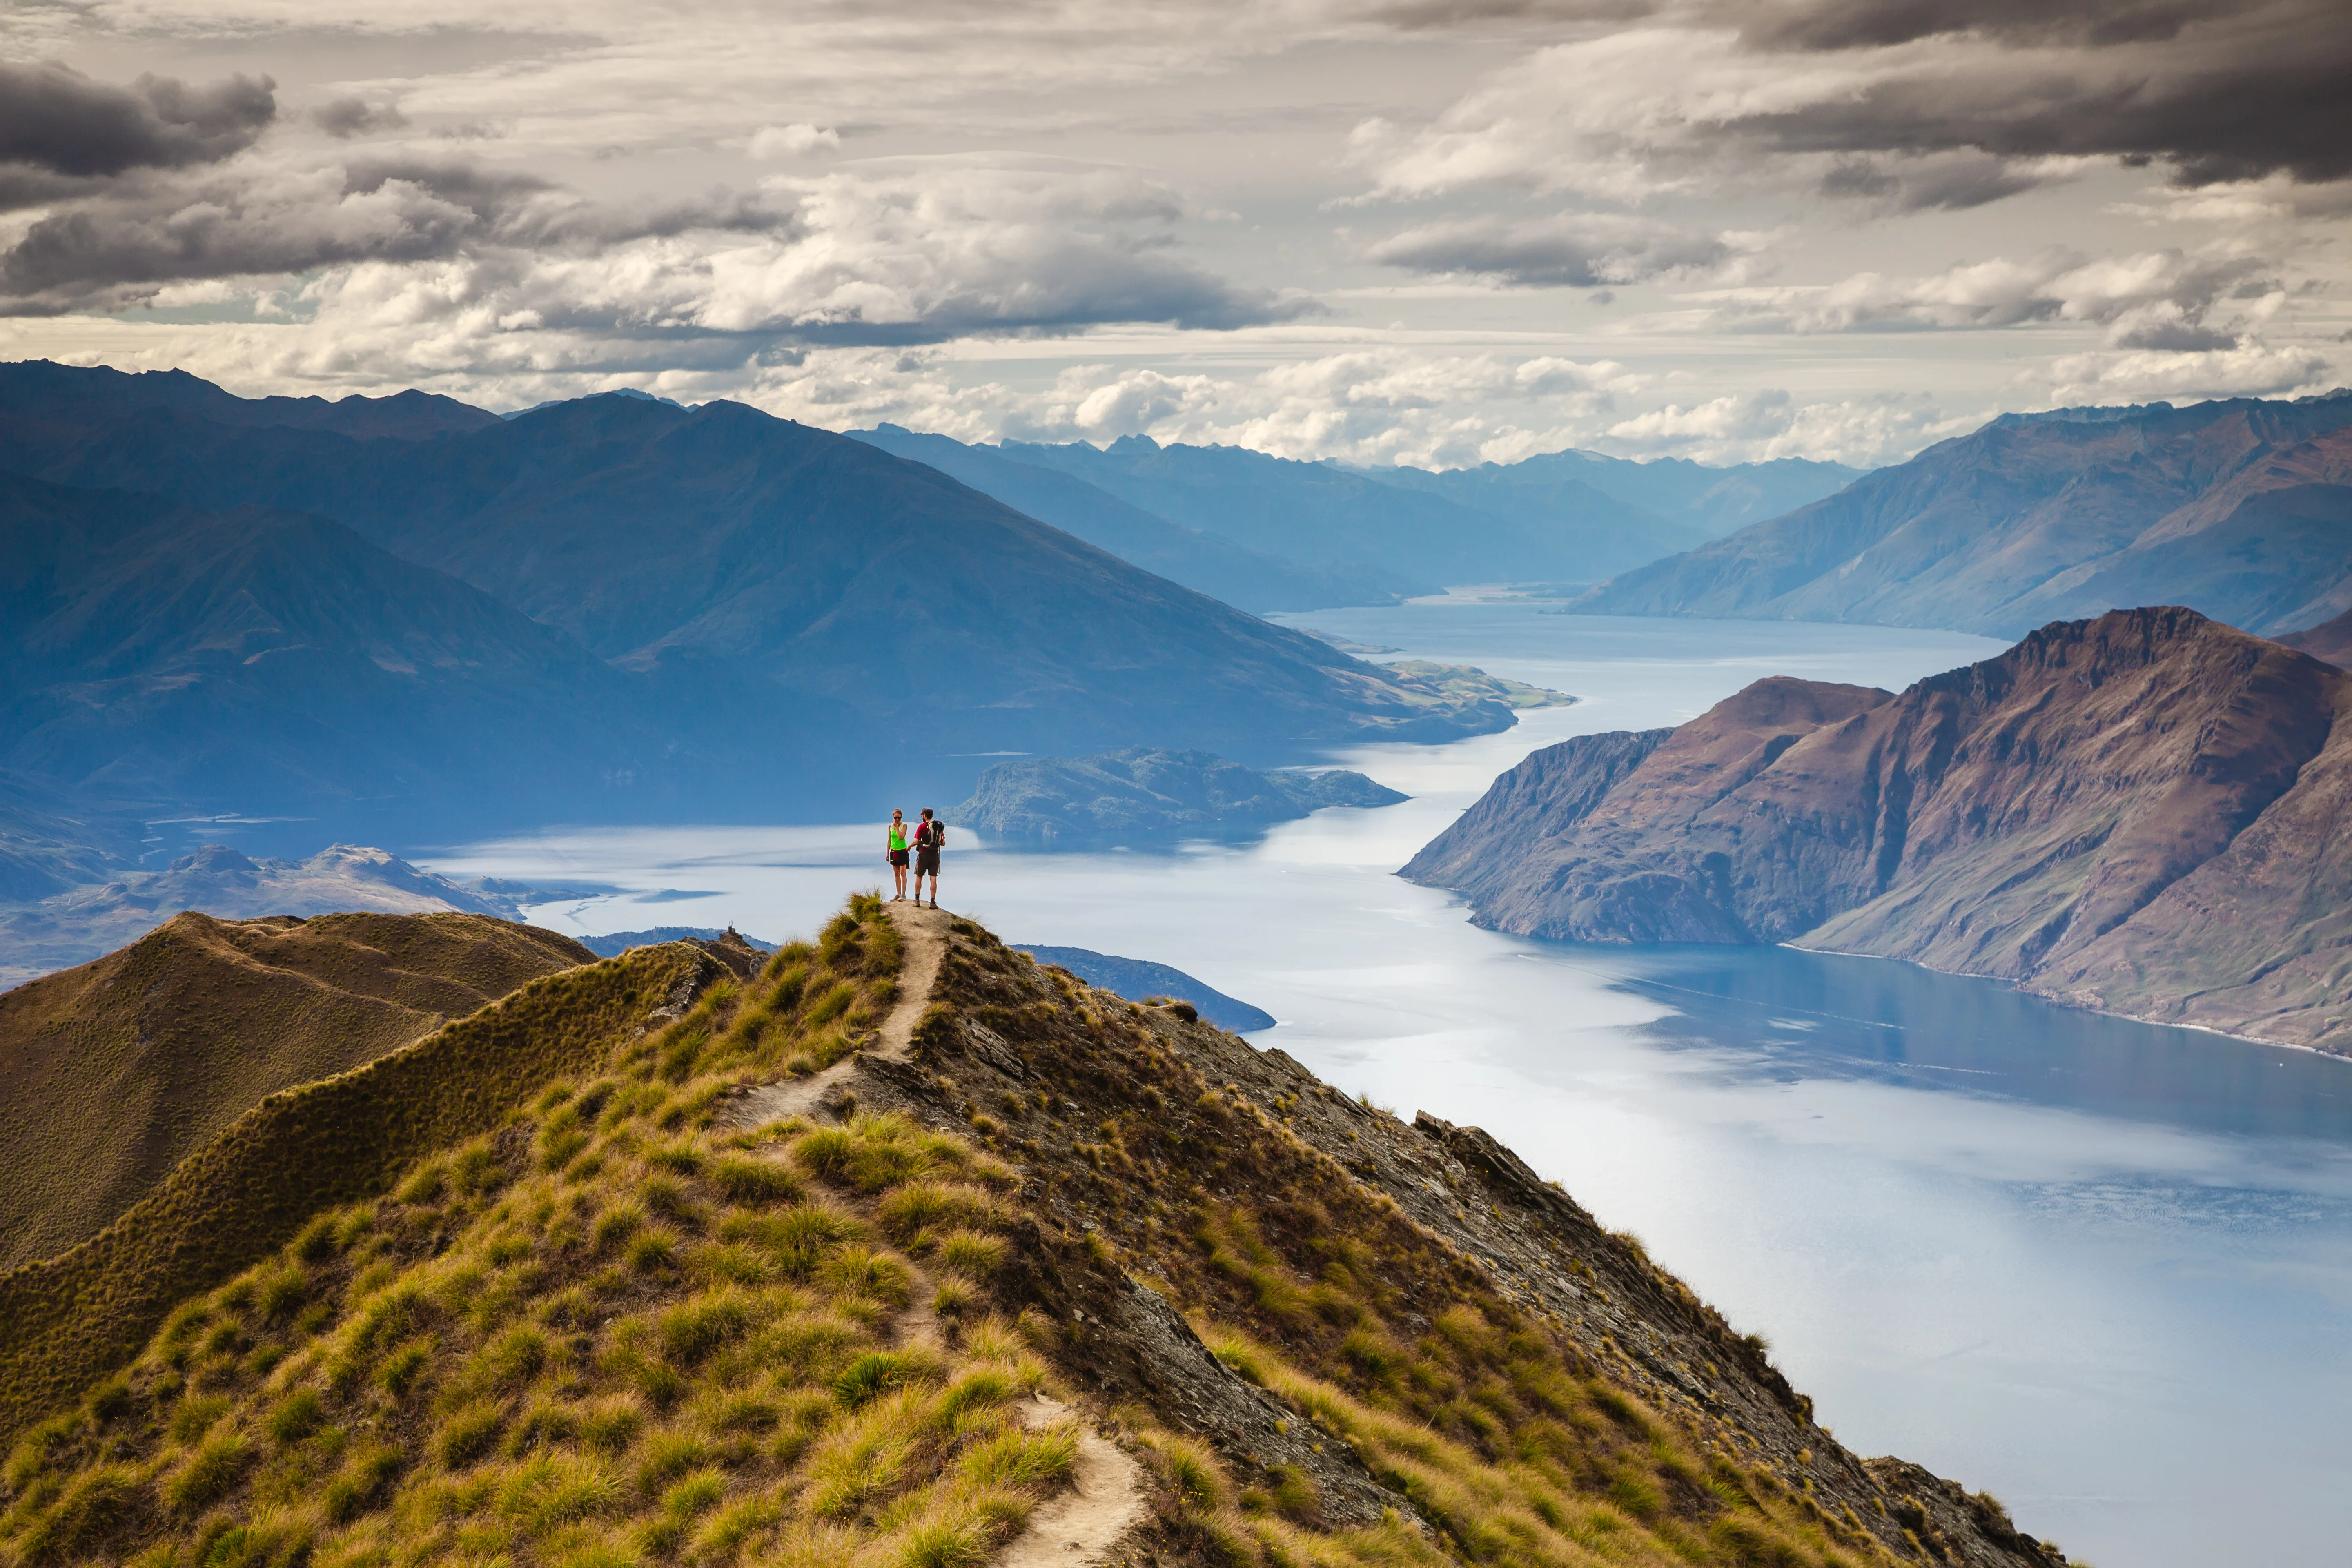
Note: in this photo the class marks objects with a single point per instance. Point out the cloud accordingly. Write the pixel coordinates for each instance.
(1757, 427)
(792, 140)
(1579, 250)
(56, 120)
(2149, 299)
(915, 249)
(344, 118)
(893, 251)
(1365, 406)
(268, 223)
(1910, 104)
(2240, 369)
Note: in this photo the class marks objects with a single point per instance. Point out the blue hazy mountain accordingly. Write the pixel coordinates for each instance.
(1197, 558)
(2240, 509)
(1317, 515)
(612, 600)
(270, 662)
(1312, 534)
(1631, 514)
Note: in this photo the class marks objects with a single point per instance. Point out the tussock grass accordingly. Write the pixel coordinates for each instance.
(63, 1322)
(1492, 1424)
(596, 1333)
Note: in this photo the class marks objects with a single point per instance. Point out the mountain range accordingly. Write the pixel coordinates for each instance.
(81, 922)
(1271, 533)
(2148, 813)
(2241, 508)
(404, 611)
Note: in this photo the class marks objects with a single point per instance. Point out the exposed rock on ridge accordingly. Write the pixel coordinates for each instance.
(2144, 813)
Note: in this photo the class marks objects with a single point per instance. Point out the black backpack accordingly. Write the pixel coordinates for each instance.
(930, 835)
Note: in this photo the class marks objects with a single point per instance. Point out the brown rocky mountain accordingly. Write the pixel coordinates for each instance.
(2241, 508)
(111, 1073)
(2330, 640)
(2145, 813)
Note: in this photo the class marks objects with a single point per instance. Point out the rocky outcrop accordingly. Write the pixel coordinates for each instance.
(2145, 813)
(1148, 791)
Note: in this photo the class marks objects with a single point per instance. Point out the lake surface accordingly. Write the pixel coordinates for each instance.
(2100, 1269)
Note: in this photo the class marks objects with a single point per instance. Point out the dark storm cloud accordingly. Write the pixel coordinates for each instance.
(106, 252)
(2211, 121)
(2218, 90)
(347, 117)
(1848, 24)
(57, 122)
(1419, 15)
(1579, 250)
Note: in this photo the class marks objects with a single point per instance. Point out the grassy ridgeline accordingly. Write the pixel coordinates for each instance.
(66, 1320)
(599, 1326)
(113, 1072)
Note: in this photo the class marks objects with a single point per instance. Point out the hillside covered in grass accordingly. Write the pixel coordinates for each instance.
(900, 1249)
(113, 1072)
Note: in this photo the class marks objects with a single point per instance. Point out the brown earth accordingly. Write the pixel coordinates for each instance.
(2144, 813)
(113, 1072)
(2330, 640)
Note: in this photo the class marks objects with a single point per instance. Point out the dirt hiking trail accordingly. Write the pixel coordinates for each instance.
(1075, 1528)
(924, 930)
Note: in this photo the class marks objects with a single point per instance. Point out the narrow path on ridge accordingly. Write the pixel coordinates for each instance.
(1074, 1529)
(924, 930)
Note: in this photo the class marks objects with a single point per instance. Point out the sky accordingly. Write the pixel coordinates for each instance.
(1440, 232)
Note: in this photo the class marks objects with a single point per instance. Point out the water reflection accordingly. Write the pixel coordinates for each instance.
(1793, 1014)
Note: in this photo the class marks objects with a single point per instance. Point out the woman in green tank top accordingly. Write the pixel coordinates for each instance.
(898, 852)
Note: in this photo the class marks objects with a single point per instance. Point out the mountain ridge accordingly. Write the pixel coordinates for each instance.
(599, 609)
(761, 1251)
(2145, 813)
(113, 1072)
(2236, 508)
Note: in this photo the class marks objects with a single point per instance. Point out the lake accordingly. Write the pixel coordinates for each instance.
(2100, 1269)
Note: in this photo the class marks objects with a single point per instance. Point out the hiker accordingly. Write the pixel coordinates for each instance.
(929, 836)
(897, 854)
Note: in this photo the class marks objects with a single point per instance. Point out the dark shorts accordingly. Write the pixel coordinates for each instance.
(897, 856)
(927, 863)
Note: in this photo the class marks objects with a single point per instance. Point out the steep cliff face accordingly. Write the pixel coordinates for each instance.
(2143, 812)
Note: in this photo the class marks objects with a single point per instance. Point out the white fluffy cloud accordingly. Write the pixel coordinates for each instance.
(2242, 370)
(795, 140)
(1758, 425)
(890, 250)
(2150, 298)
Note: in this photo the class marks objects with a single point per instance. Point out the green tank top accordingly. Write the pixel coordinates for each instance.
(897, 837)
